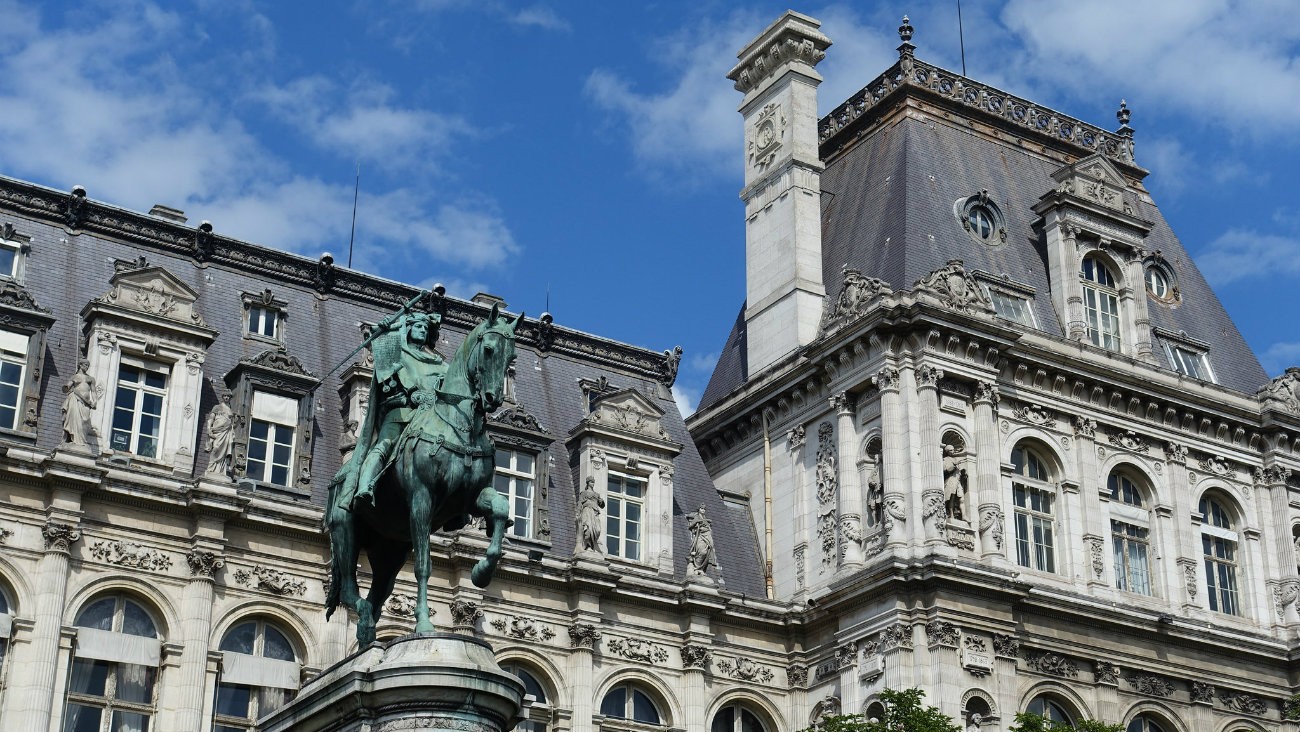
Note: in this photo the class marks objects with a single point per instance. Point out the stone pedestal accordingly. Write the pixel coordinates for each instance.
(437, 681)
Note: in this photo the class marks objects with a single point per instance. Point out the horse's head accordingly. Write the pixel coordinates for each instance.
(493, 350)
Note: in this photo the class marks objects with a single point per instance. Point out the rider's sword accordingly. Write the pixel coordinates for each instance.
(373, 335)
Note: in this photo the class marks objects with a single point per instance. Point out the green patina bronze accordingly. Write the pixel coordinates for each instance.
(423, 462)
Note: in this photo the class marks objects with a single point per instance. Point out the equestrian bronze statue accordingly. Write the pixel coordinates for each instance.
(423, 461)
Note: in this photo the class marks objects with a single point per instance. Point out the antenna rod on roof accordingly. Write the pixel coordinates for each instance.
(961, 39)
(356, 191)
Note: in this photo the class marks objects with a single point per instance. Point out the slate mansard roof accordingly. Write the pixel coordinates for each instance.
(894, 174)
(72, 257)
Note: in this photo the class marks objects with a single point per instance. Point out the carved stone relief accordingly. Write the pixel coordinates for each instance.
(1035, 415)
(583, 635)
(1242, 702)
(694, 656)
(940, 633)
(857, 294)
(271, 580)
(400, 605)
(204, 563)
(1106, 672)
(1129, 440)
(746, 670)
(464, 613)
(827, 490)
(524, 628)
(1054, 664)
(129, 554)
(1150, 685)
(953, 288)
(1006, 646)
(59, 537)
(796, 676)
(635, 649)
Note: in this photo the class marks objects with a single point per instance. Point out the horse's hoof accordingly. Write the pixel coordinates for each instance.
(424, 627)
(481, 574)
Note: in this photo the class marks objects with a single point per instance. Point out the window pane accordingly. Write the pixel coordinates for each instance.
(503, 458)
(615, 703)
(643, 710)
(130, 722)
(725, 721)
(135, 621)
(98, 614)
(240, 638)
(135, 683)
(277, 646)
(89, 677)
(232, 701)
(81, 718)
(8, 257)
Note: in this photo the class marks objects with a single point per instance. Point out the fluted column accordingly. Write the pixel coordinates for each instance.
(32, 691)
(1284, 583)
(896, 467)
(1183, 572)
(931, 477)
(187, 694)
(988, 471)
(850, 496)
(1078, 510)
(803, 507)
(584, 638)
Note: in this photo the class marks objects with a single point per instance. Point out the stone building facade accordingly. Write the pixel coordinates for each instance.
(981, 427)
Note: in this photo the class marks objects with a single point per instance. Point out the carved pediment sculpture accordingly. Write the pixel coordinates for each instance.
(1283, 391)
(1096, 179)
(14, 295)
(856, 296)
(279, 359)
(953, 287)
(628, 410)
(153, 291)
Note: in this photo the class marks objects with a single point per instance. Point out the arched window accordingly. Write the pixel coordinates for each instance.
(736, 717)
(539, 712)
(1143, 723)
(117, 651)
(259, 673)
(1034, 497)
(1219, 542)
(875, 712)
(629, 701)
(1130, 528)
(1100, 304)
(6, 624)
(1050, 709)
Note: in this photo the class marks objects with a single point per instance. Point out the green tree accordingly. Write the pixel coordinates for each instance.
(903, 713)
(1026, 722)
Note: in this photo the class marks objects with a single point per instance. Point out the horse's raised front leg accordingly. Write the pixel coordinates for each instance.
(344, 550)
(496, 508)
(421, 515)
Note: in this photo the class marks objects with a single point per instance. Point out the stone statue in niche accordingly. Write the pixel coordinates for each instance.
(79, 406)
(955, 482)
(702, 557)
(221, 431)
(875, 487)
(974, 722)
(590, 504)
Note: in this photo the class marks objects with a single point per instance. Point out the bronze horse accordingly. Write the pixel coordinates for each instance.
(441, 476)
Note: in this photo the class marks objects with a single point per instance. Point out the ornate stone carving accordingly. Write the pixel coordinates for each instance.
(220, 429)
(668, 367)
(1176, 453)
(1106, 672)
(795, 437)
(1054, 664)
(827, 490)
(1085, 427)
(1242, 702)
(16, 296)
(1006, 646)
(1150, 685)
(825, 709)
(129, 554)
(975, 656)
(74, 207)
(1283, 391)
(1271, 475)
(991, 524)
(279, 359)
(694, 656)
(590, 505)
(746, 670)
(895, 513)
(792, 45)
(856, 296)
(524, 628)
(952, 287)
(517, 417)
(1218, 466)
(846, 655)
(800, 565)
(635, 649)
(765, 135)
(464, 613)
(82, 398)
(204, 563)
(987, 391)
(400, 605)
(928, 376)
(4, 535)
(886, 379)
(1034, 414)
(1129, 440)
(1285, 593)
(1189, 576)
(940, 633)
(271, 580)
(796, 676)
(59, 537)
(1095, 545)
(1202, 692)
(703, 557)
(896, 636)
(583, 635)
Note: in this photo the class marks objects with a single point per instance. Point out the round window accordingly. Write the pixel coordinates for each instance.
(981, 222)
(1157, 283)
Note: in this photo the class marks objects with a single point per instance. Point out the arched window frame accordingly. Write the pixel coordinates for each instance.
(981, 217)
(112, 683)
(1146, 722)
(1103, 316)
(739, 716)
(252, 681)
(631, 689)
(1034, 494)
(538, 714)
(1131, 526)
(1221, 547)
(1053, 708)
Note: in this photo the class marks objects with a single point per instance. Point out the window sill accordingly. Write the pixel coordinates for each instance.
(272, 490)
(259, 338)
(27, 438)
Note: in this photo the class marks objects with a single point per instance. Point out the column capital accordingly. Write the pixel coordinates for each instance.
(928, 377)
(59, 537)
(987, 392)
(842, 403)
(886, 379)
(204, 564)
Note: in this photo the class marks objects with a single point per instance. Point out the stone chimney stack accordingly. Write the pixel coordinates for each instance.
(782, 194)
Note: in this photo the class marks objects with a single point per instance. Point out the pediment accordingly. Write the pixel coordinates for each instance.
(1095, 178)
(155, 292)
(625, 399)
(628, 409)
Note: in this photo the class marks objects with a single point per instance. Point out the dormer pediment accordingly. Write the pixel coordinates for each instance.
(1094, 178)
(155, 292)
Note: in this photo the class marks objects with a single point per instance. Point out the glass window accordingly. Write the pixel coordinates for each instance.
(1012, 308)
(536, 716)
(1100, 304)
(1130, 537)
(240, 705)
(1219, 545)
(9, 259)
(271, 438)
(981, 222)
(1190, 363)
(138, 408)
(1157, 283)
(625, 504)
(1050, 709)
(263, 321)
(109, 696)
(736, 718)
(1034, 522)
(13, 366)
(515, 479)
(1143, 724)
(628, 701)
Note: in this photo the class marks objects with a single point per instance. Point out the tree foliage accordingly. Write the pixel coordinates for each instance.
(903, 713)
(1026, 722)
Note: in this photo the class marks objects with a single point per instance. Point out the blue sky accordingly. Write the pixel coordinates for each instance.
(593, 148)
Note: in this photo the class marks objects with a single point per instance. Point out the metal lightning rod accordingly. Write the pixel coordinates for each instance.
(961, 39)
(356, 191)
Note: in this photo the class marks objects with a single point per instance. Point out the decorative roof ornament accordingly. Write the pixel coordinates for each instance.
(857, 295)
(1123, 116)
(905, 31)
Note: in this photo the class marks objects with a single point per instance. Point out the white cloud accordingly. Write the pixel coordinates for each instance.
(1244, 253)
(1171, 165)
(686, 399)
(1279, 356)
(540, 16)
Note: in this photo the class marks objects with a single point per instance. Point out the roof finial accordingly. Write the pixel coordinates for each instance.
(905, 31)
(1123, 116)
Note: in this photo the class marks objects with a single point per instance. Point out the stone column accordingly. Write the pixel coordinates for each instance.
(1094, 534)
(32, 691)
(187, 697)
(803, 507)
(850, 495)
(895, 466)
(1283, 581)
(584, 638)
(988, 473)
(930, 480)
(1183, 571)
(941, 640)
(1134, 295)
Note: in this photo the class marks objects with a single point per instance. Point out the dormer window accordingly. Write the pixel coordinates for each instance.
(13, 252)
(1100, 304)
(263, 315)
(982, 219)
(263, 321)
(138, 407)
(1187, 356)
(1157, 283)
